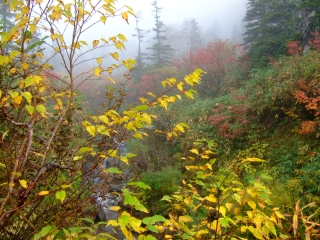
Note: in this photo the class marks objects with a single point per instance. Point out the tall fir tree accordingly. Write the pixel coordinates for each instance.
(6, 21)
(160, 51)
(191, 36)
(140, 34)
(270, 25)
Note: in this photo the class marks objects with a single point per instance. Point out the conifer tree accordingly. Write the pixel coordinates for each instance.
(140, 34)
(160, 51)
(6, 21)
(270, 25)
(310, 18)
(191, 35)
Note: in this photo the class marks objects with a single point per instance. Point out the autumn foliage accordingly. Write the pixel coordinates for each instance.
(308, 95)
(219, 60)
(232, 120)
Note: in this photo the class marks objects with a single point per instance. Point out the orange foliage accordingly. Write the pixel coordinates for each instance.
(308, 127)
(309, 95)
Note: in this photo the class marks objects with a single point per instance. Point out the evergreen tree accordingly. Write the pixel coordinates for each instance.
(270, 25)
(140, 34)
(191, 36)
(236, 35)
(161, 52)
(6, 20)
(310, 18)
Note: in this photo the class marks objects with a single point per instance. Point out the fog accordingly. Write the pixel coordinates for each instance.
(225, 12)
(219, 17)
(222, 16)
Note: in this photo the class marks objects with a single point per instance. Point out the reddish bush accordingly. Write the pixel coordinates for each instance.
(294, 48)
(218, 60)
(315, 40)
(234, 120)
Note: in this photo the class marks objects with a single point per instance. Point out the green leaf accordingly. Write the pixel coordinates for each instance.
(149, 237)
(153, 219)
(133, 201)
(41, 109)
(29, 81)
(166, 198)
(265, 176)
(140, 185)
(87, 220)
(114, 170)
(141, 108)
(61, 195)
(27, 96)
(124, 220)
(14, 53)
(4, 60)
(30, 109)
(13, 94)
(44, 231)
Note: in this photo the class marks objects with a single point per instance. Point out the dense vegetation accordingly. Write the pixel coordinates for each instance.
(230, 151)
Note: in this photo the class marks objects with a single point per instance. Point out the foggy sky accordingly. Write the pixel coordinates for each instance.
(225, 12)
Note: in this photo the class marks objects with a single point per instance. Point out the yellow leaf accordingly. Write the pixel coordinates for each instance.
(109, 69)
(113, 223)
(229, 206)
(252, 204)
(61, 39)
(185, 219)
(42, 193)
(99, 60)
(295, 218)
(222, 210)
(91, 130)
(39, 55)
(37, 79)
(97, 71)
(125, 16)
(32, 28)
(115, 208)
(113, 39)
(195, 151)
(25, 66)
(180, 86)
(121, 37)
(111, 79)
(23, 183)
(115, 55)
(95, 43)
(253, 159)
(120, 45)
(17, 100)
(54, 36)
(211, 198)
(103, 19)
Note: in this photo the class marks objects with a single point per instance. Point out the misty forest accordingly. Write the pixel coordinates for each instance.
(168, 132)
